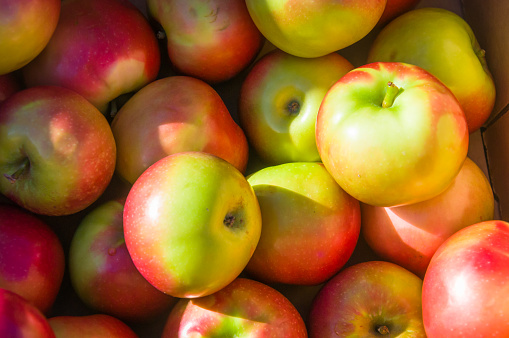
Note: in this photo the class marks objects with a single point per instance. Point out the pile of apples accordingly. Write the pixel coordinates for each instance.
(190, 168)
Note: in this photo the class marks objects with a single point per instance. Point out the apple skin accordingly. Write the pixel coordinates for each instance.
(209, 40)
(32, 261)
(102, 272)
(26, 27)
(95, 55)
(9, 84)
(310, 226)
(409, 235)
(314, 28)
(443, 43)
(90, 326)
(406, 152)
(19, 318)
(177, 122)
(191, 224)
(395, 8)
(363, 298)
(279, 102)
(57, 152)
(465, 288)
(243, 308)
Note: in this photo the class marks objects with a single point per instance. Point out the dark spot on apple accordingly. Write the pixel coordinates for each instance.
(293, 107)
(233, 220)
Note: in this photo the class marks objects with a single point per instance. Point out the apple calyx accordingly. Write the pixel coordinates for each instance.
(383, 330)
(391, 93)
(233, 221)
(293, 108)
(14, 176)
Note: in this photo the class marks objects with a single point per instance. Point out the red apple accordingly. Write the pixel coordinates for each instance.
(395, 8)
(368, 299)
(210, 40)
(310, 226)
(9, 84)
(57, 151)
(409, 235)
(26, 27)
(102, 272)
(391, 134)
(20, 319)
(90, 326)
(32, 259)
(186, 114)
(100, 48)
(244, 308)
(466, 288)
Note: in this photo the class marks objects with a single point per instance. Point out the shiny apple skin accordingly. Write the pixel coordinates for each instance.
(102, 272)
(366, 296)
(244, 308)
(315, 28)
(90, 326)
(171, 115)
(63, 147)
(465, 288)
(191, 224)
(405, 153)
(210, 40)
(443, 43)
(100, 49)
(409, 235)
(310, 225)
(26, 27)
(279, 102)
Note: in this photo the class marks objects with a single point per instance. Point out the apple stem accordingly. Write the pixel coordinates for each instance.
(160, 35)
(390, 95)
(383, 330)
(14, 176)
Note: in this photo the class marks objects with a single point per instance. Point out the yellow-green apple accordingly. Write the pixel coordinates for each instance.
(103, 274)
(9, 84)
(90, 326)
(314, 28)
(32, 261)
(57, 151)
(391, 133)
(210, 40)
(395, 8)
(409, 235)
(465, 288)
(310, 226)
(171, 115)
(100, 48)
(243, 308)
(191, 224)
(368, 299)
(443, 43)
(279, 101)
(26, 27)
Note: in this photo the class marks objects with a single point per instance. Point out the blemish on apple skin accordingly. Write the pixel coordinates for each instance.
(112, 251)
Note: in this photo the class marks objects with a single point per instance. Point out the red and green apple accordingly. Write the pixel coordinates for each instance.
(90, 326)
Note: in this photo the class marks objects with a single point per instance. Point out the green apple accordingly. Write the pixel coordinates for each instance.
(191, 224)
(315, 28)
(310, 225)
(443, 43)
(390, 133)
(279, 102)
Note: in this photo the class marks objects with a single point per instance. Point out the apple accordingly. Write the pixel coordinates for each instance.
(310, 226)
(26, 27)
(390, 133)
(315, 28)
(395, 8)
(465, 288)
(57, 152)
(9, 84)
(279, 101)
(102, 272)
(32, 261)
(191, 224)
(100, 49)
(185, 114)
(243, 308)
(409, 235)
(368, 299)
(443, 43)
(90, 326)
(210, 40)
(20, 319)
